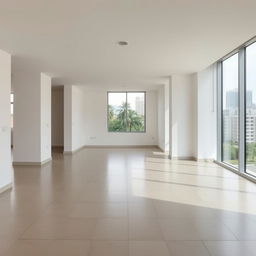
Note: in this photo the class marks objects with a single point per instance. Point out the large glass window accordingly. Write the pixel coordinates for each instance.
(230, 111)
(250, 130)
(126, 111)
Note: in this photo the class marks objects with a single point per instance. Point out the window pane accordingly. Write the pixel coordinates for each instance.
(230, 132)
(136, 111)
(250, 137)
(116, 112)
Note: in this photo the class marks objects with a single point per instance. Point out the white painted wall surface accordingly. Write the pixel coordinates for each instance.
(206, 112)
(32, 117)
(68, 118)
(78, 118)
(167, 118)
(58, 116)
(74, 118)
(26, 128)
(46, 89)
(183, 116)
(5, 120)
(161, 117)
(96, 121)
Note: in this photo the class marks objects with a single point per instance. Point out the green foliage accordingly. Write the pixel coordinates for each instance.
(231, 152)
(251, 152)
(125, 119)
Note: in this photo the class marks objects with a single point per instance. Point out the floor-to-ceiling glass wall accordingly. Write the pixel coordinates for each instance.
(250, 103)
(237, 110)
(230, 111)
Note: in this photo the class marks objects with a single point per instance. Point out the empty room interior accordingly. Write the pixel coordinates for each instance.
(127, 128)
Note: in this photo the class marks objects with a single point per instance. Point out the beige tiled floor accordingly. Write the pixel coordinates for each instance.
(127, 202)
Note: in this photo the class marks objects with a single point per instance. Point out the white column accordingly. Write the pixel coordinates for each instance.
(46, 127)
(182, 106)
(166, 116)
(170, 117)
(206, 114)
(5, 121)
(68, 119)
(74, 118)
(32, 118)
(163, 117)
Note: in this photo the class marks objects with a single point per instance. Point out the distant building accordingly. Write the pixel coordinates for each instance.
(230, 127)
(231, 121)
(139, 105)
(232, 99)
(251, 125)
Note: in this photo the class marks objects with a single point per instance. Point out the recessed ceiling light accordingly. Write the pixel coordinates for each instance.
(122, 43)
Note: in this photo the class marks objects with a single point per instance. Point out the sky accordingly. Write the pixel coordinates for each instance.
(117, 98)
(230, 73)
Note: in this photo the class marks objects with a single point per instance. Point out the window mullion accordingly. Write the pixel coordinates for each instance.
(126, 112)
(219, 111)
(242, 110)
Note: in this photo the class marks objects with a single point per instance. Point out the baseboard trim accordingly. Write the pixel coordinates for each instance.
(121, 146)
(5, 188)
(32, 163)
(109, 146)
(205, 160)
(73, 152)
(160, 148)
(184, 158)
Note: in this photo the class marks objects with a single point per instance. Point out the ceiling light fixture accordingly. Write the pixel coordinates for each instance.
(122, 43)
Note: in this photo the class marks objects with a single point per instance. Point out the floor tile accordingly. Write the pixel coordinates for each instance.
(109, 248)
(234, 248)
(177, 210)
(144, 229)
(190, 229)
(49, 248)
(242, 228)
(141, 210)
(111, 229)
(127, 202)
(60, 228)
(191, 248)
(148, 248)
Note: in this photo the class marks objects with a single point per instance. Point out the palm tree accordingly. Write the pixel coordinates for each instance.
(125, 120)
(134, 121)
(122, 115)
(110, 112)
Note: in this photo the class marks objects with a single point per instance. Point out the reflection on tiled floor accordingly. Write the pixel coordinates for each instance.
(127, 202)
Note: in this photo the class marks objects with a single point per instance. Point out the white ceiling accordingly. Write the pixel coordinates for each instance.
(76, 40)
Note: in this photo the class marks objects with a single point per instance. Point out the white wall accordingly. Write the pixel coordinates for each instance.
(67, 118)
(206, 113)
(32, 117)
(46, 101)
(58, 116)
(167, 116)
(26, 118)
(74, 118)
(163, 117)
(78, 118)
(183, 116)
(5, 120)
(96, 132)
